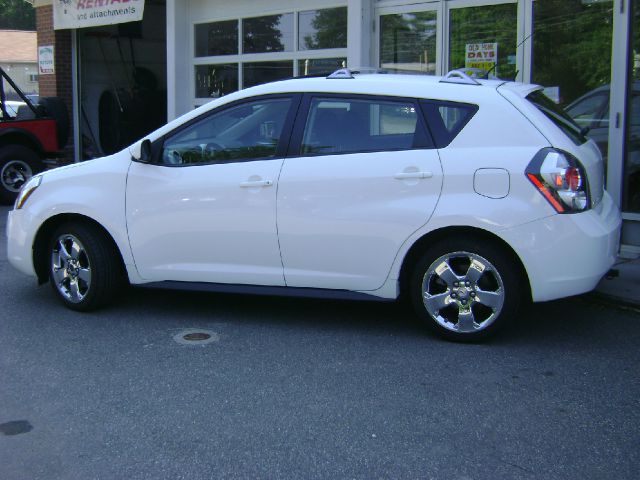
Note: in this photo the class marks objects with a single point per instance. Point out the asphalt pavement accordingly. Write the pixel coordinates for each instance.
(306, 389)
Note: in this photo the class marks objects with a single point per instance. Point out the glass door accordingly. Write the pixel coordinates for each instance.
(631, 174)
(408, 38)
(483, 37)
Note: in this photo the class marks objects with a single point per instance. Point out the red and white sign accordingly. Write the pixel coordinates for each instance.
(93, 13)
(481, 55)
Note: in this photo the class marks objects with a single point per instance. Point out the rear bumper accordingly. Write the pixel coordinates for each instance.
(567, 255)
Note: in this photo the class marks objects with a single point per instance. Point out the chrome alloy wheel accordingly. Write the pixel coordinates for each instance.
(463, 292)
(70, 267)
(14, 174)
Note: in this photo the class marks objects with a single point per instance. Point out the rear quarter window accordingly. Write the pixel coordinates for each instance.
(558, 116)
(446, 120)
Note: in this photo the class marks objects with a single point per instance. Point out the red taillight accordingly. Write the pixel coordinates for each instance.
(546, 193)
(561, 180)
(573, 178)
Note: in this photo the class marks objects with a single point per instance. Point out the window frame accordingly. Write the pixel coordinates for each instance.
(240, 58)
(423, 139)
(157, 145)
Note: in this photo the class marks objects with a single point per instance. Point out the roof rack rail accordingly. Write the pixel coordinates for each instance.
(342, 73)
(351, 72)
(459, 76)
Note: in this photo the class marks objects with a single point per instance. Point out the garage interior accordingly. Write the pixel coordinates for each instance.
(122, 81)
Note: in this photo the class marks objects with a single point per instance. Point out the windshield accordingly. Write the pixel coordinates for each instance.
(557, 115)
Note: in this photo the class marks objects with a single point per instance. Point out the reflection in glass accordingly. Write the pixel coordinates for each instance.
(408, 42)
(572, 59)
(325, 28)
(631, 192)
(572, 46)
(320, 66)
(273, 33)
(484, 37)
(247, 131)
(218, 38)
(213, 81)
(256, 73)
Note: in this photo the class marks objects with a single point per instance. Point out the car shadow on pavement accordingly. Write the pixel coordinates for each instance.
(572, 319)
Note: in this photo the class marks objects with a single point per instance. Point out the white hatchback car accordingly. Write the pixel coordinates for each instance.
(469, 196)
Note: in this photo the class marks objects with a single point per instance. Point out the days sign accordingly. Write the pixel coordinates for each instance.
(481, 55)
(93, 13)
(46, 60)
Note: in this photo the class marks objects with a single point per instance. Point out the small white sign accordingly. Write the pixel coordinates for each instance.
(93, 13)
(46, 60)
(481, 55)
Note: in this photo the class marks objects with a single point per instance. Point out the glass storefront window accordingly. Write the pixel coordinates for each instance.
(572, 59)
(320, 66)
(631, 191)
(318, 29)
(484, 37)
(217, 38)
(408, 42)
(273, 33)
(255, 73)
(572, 46)
(213, 81)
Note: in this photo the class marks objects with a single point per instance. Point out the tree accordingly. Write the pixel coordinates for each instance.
(17, 15)
(329, 29)
(572, 45)
(264, 34)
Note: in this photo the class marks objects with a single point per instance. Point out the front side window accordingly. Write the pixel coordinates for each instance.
(244, 132)
(337, 125)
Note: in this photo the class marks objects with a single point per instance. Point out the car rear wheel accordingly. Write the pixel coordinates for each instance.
(84, 269)
(465, 290)
(17, 165)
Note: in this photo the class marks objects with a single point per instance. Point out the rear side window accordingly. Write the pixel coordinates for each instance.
(446, 119)
(558, 116)
(348, 125)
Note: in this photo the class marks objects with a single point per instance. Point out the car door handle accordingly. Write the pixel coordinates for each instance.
(405, 175)
(256, 183)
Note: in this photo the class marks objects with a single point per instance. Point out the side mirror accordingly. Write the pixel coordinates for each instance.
(145, 151)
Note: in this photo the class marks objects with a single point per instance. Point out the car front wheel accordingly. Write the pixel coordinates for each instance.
(83, 268)
(465, 290)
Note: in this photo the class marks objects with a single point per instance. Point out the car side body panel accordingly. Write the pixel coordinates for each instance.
(96, 190)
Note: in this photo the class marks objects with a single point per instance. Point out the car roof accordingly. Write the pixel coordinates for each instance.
(404, 85)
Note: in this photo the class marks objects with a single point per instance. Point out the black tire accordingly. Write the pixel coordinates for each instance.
(466, 289)
(84, 269)
(55, 108)
(17, 165)
(109, 121)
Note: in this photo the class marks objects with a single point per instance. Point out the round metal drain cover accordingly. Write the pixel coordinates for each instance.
(192, 337)
(195, 336)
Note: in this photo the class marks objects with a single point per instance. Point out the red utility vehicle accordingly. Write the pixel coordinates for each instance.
(29, 133)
